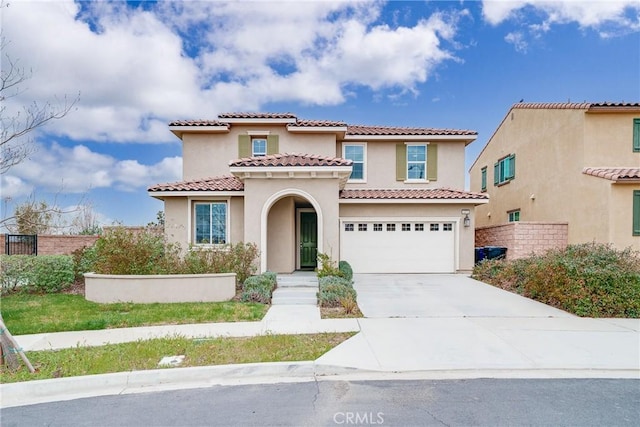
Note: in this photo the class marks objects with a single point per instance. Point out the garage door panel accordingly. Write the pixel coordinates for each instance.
(399, 251)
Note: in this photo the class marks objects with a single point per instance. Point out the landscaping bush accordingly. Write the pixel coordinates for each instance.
(335, 291)
(259, 288)
(593, 280)
(36, 274)
(346, 270)
(327, 267)
(121, 251)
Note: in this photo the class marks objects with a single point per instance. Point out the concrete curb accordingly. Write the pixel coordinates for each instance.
(53, 390)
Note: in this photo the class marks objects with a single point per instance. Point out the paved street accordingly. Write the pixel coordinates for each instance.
(484, 402)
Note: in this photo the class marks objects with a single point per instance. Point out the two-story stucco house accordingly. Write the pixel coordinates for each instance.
(577, 163)
(385, 199)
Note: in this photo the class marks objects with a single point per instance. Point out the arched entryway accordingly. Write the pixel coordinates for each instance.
(291, 232)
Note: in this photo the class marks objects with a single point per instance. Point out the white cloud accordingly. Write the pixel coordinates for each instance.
(137, 69)
(608, 17)
(518, 41)
(78, 170)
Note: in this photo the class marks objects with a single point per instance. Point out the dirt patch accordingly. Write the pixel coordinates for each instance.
(76, 289)
(339, 313)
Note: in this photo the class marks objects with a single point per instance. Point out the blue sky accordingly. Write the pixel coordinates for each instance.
(139, 65)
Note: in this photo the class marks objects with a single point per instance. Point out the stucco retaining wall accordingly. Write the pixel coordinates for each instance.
(51, 244)
(105, 288)
(523, 238)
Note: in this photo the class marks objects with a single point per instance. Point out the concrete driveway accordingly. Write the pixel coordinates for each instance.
(453, 324)
(441, 295)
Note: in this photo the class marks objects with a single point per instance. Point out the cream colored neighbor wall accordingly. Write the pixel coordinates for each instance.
(609, 140)
(236, 220)
(381, 166)
(260, 192)
(208, 155)
(281, 236)
(621, 217)
(466, 240)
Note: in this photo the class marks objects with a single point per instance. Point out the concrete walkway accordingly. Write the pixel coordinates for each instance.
(417, 326)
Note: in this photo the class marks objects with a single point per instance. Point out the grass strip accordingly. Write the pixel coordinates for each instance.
(33, 314)
(143, 355)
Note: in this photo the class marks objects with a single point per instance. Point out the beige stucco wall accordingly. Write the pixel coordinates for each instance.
(466, 235)
(381, 165)
(208, 155)
(259, 193)
(281, 236)
(552, 147)
(104, 288)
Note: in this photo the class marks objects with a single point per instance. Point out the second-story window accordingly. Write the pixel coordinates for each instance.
(258, 147)
(416, 162)
(356, 153)
(504, 170)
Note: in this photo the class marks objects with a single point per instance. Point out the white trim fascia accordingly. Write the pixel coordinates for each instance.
(180, 130)
(423, 201)
(194, 193)
(344, 219)
(259, 120)
(317, 129)
(425, 138)
(258, 132)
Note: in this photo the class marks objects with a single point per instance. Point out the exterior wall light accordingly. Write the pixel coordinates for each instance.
(466, 221)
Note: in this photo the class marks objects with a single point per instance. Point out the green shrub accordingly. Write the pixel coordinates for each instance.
(592, 279)
(334, 291)
(84, 261)
(346, 270)
(259, 288)
(239, 258)
(327, 267)
(37, 274)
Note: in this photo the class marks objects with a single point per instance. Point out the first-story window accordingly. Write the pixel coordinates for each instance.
(211, 223)
(514, 216)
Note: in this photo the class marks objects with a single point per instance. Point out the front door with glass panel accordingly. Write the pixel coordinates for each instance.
(308, 240)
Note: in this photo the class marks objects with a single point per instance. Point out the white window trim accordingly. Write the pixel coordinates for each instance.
(406, 160)
(364, 161)
(258, 132)
(192, 222)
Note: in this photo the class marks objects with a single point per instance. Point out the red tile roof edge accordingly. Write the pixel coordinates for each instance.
(613, 174)
(573, 105)
(218, 183)
(290, 159)
(410, 193)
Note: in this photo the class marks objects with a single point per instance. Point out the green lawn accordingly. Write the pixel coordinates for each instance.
(31, 314)
(143, 355)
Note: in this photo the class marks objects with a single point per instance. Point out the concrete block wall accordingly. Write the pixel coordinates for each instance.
(58, 244)
(523, 238)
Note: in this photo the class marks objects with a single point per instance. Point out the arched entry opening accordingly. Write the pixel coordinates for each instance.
(291, 232)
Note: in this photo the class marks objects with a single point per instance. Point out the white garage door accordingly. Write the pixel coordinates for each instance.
(398, 247)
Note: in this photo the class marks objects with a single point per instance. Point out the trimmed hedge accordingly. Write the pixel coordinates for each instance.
(36, 274)
(335, 291)
(589, 280)
(259, 288)
(346, 270)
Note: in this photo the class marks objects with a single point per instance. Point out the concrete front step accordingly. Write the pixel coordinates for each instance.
(295, 296)
(297, 281)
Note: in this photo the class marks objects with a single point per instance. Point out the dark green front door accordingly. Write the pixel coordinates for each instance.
(308, 239)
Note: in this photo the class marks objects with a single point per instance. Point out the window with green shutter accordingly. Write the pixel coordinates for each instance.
(255, 146)
(416, 162)
(483, 179)
(504, 170)
(636, 135)
(636, 212)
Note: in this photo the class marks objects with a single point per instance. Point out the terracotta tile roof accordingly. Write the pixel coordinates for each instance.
(290, 159)
(317, 123)
(437, 193)
(220, 183)
(614, 174)
(198, 123)
(388, 130)
(573, 105)
(256, 116)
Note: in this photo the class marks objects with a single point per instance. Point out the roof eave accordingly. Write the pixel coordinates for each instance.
(188, 193)
(472, 201)
(181, 130)
(467, 139)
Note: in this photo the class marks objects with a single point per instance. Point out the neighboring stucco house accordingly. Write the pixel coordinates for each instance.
(577, 163)
(385, 199)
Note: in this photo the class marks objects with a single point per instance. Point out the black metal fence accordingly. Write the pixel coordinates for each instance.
(20, 244)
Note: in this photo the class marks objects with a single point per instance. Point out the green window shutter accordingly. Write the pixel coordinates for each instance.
(401, 162)
(272, 144)
(512, 166)
(636, 212)
(432, 162)
(636, 135)
(244, 146)
(496, 173)
(483, 179)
